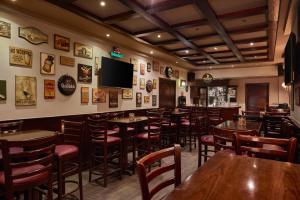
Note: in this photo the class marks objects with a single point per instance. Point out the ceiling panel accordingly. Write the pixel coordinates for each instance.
(244, 22)
(212, 49)
(147, 3)
(210, 40)
(249, 35)
(163, 37)
(174, 46)
(195, 31)
(136, 25)
(258, 44)
(254, 52)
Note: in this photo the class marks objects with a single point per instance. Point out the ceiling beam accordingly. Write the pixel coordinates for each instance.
(210, 15)
(147, 32)
(245, 55)
(167, 5)
(273, 13)
(231, 62)
(134, 5)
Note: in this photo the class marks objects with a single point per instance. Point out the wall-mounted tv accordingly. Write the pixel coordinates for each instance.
(289, 59)
(115, 73)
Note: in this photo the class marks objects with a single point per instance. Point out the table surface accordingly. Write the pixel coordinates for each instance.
(234, 125)
(228, 176)
(27, 135)
(126, 120)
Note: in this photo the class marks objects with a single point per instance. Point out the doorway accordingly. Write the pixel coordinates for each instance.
(257, 96)
(167, 93)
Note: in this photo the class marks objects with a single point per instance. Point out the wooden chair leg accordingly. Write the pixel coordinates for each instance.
(190, 142)
(105, 167)
(133, 156)
(50, 190)
(199, 155)
(205, 153)
(80, 183)
(121, 161)
(60, 179)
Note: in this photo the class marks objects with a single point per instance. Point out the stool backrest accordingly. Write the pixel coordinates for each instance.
(11, 127)
(224, 139)
(98, 129)
(154, 120)
(214, 112)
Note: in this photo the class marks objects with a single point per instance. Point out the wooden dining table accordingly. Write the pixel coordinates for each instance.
(27, 135)
(227, 176)
(235, 125)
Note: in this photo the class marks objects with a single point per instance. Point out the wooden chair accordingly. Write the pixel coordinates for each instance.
(214, 117)
(263, 147)
(69, 156)
(104, 149)
(11, 127)
(272, 126)
(26, 170)
(145, 178)
(168, 129)
(224, 139)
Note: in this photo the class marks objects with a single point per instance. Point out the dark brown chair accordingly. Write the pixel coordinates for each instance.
(224, 139)
(26, 170)
(272, 126)
(168, 129)
(145, 178)
(263, 147)
(69, 156)
(104, 149)
(214, 117)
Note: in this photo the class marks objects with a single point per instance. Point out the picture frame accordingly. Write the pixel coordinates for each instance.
(149, 67)
(3, 90)
(84, 73)
(162, 70)
(5, 29)
(47, 63)
(83, 51)
(127, 94)
(20, 57)
(142, 83)
(49, 89)
(142, 68)
(67, 61)
(155, 65)
(85, 95)
(113, 98)
(98, 95)
(33, 35)
(176, 74)
(154, 83)
(146, 99)
(138, 99)
(297, 96)
(134, 80)
(135, 64)
(62, 43)
(154, 100)
(97, 66)
(25, 91)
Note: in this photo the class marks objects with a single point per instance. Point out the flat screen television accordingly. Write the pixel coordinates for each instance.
(115, 73)
(289, 59)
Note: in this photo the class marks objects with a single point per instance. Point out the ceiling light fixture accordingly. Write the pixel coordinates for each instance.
(151, 52)
(107, 35)
(210, 67)
(232, 66)
(215, 48)
(186, 51)
(13, 0)
(159, 36)
(102, 3)
(251, 43)
(176, 62)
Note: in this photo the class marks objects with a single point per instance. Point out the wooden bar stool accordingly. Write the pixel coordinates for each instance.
(69, 157)
(104, 149)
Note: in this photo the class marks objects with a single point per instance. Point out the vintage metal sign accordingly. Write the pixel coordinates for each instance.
(20, 57)
(33, 35)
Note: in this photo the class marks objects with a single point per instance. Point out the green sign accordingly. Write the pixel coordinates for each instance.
(116, 55)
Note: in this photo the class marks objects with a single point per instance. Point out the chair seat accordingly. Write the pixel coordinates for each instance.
(207, 140)
(128, 129)
(110, 140)
(151, 127)
(66, 150)
(273, 147)
(144, 136)
(13, 150)
(31, 180)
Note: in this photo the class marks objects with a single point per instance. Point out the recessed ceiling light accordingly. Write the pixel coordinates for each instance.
(159, 36)
(215, 48)
(176, 62)
(232, 65)
(13, 0)
(151, 52)
(251, 43)
(107, 35)
(186, 51)
(204, 61)
(210, 67)
(102, 3)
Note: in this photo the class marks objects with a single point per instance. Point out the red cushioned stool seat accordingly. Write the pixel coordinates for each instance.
(144, 136)
(110, 140)
(207, 140)
(66, 150)
(13, 150)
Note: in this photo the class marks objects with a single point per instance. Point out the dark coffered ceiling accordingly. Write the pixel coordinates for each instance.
(203, 32)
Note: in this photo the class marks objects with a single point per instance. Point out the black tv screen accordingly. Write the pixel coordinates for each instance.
(115, 73)
(289, 59)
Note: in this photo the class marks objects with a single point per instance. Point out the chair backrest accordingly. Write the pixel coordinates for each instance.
(11, 127)
(214, 112)
(116, 115)
(288, 129)
(98, 129)
(272, 126)
(224, 139)
(282, 149)
(154, 121)
(36, 157)
(145, 178)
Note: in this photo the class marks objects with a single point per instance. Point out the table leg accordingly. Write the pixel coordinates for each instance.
(123, 133)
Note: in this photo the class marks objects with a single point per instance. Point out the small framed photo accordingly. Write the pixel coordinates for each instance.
(61, 43)
(49, 89)
(138, 99)
(47, 64)
(146, 99)
(113, 98)
(26, 91)
(148, 67)
(85, 95)
(154, 100)
(142, 68)
(3, 90)
(84, 73)
(97, 66)
(83, 51)
(135, 64)
(134, 80)
(154, 83)
(98, 95)
(127, 94)
(142, 83)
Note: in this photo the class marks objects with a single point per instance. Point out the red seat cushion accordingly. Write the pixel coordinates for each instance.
(144, 136)
(13, 150)
(185, 123)
(207, 140)
(151, 127)
(110, 140)
(112, 132)
(168, 124)
(128, 129)
(66, 150)
(30, 180)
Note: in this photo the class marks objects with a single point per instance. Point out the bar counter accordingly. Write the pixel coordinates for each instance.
(227, 112)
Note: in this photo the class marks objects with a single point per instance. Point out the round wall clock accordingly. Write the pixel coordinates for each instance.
(207, 78)
(169, 72)
(149, 86)
(66, 85)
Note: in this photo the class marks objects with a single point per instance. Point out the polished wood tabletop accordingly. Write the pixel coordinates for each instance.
(227, 176)
(235, 125)
(127, 120)
(27, 135)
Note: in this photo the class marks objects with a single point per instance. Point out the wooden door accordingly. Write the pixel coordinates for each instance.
(167, 93)
(257, 96)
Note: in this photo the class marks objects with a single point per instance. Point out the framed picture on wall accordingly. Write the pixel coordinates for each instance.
(67, 61)
(148, 67)
(162, 70)
(127, 94)
(113, 98)
(155, 66)
(134, 80)
(20, 57)
(146, 99)
(98, 95)
(154, 83)
(142, 83)
(49, 89)
(85, 95)
(97, 66)
(61, 43)
(84, 73)
(142, 68)
(297, 96)
(154, 100)
(47, 64)
(138, 99)
(25, 92)
(5, 29)
(83, 51)
(292, 97)
(135, 64)
(3, 90)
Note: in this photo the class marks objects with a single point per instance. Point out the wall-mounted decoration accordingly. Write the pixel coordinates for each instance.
(138, 99)
(67, 61)
(148, 67)
(97, 66)
(116, 53)
(155, 65)
(20, 57)
(99, 95)
(134, 80)
(82, 50)
(5, 29)
(66, 85)
(26, 94)
(84, 73)
(149, 86)
(176, 73)
(162, 70)
(127, 94)
(33, 35)
(49, 89)
(47, 64)
(142, 68)
(292, 96)
(207, 78)
(113, 98)
(297, 96)
(85, 95)
(3, 90)
(142, 83)
(169, 72)
(135, 64)
(154, 83)
(146, 99)
(154, 100)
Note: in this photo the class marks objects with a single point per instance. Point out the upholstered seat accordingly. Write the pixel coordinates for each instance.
(151, 127)
(144, 136)
(110, 140)
(66, 151)
(118, 129)
(207, 140)
(13, 150)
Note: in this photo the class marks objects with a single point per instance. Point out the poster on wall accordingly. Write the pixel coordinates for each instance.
(148, 67)
(154, 100)
(142, 68)
(85, 95)
(49, 89)
(47, 64)
(176, 74)
(149, 86)
(146, 99)
(98, 95)
(67, 61)
(3, 90)
(84, 73)
(113, 98)
(127, 94)
(20, 57)
(97, 66)
(66, 85)
(162, 70)
(134, 80)
(61, 43)
(142, 83)
(155, 66)
(25, 91)
(135, 64)
(83, 51)
(5, 29)
(33, 35)
(154, 83)
(138, 99)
